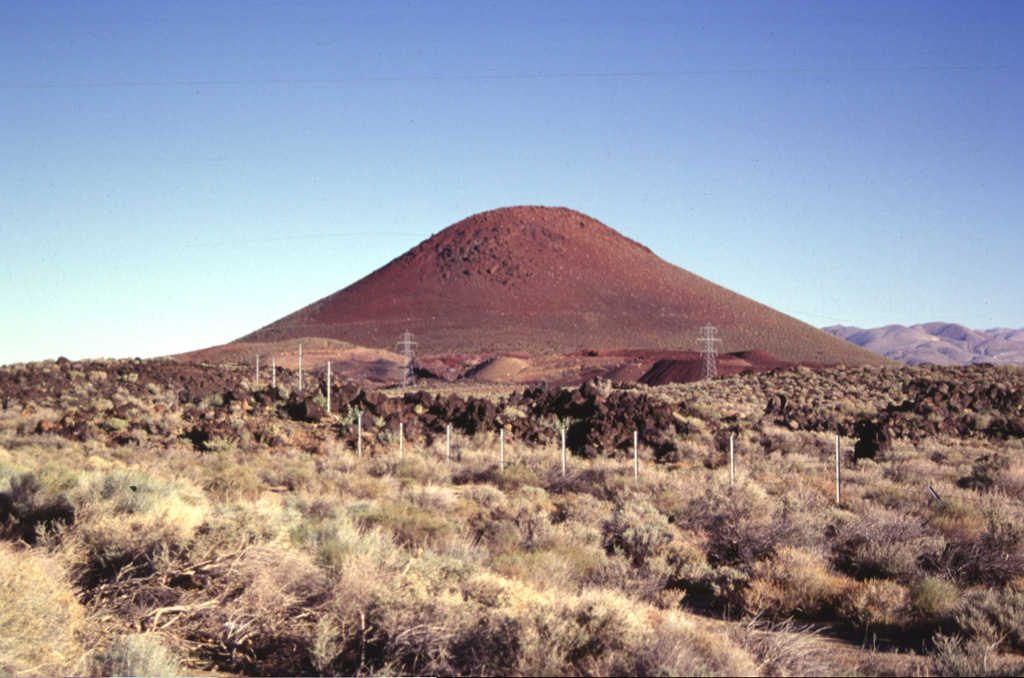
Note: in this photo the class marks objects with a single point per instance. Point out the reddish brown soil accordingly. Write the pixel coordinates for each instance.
(690, 368)
(548, 281)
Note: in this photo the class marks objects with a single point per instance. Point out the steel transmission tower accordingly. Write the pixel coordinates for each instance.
(709, 350)
(407, 347)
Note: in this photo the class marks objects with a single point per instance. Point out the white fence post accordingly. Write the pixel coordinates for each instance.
(328, 387)
(732, 462)
(636, 457)
(838, 476)
(563, 450)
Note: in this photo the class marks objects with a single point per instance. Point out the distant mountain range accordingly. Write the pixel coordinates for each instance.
(938, 343)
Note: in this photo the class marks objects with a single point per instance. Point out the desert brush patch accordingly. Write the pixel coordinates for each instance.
(183, 520)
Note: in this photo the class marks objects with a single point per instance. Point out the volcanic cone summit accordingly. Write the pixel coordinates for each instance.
(547, 280)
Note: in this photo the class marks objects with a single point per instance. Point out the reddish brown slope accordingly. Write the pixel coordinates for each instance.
(547, 280)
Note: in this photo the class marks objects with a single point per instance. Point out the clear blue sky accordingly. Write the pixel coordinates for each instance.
(175, 175)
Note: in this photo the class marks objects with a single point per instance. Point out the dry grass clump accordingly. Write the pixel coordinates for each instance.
(261, 616)
(795, 582)
(411, 524)
(562, 566)
(499, 626)
(878, 605)
(41, 622)
(935, 599)
(129, 518)
(779, 648)
(137, 655)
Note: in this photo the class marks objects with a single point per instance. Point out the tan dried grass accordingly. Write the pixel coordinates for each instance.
(795, 582)
(40, 619)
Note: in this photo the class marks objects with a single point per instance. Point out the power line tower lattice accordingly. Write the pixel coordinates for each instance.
(709, 350)
(407, 347)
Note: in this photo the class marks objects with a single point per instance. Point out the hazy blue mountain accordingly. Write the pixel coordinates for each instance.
(938, 343)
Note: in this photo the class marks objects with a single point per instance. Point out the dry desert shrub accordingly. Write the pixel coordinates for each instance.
(957, 517)
(415, 469)
(521, 523)
(36, 502)
(743, 524)
(339, 642)
(256, 610)
(675, 646)
(935, 599)
(892, 494)
(957, 656)
(491, 625)
(604, 478)
(512, 478)
(648, 583)
(137, 655)
(441, 499)
(994, 558)
(40, 619)
(596, 633)
(879, 605)
(795, 582)
(411, 524)
(993, 616)
(561, 566)
(228, 475)
(292, 471)
(327, 531)
(127, 517)
(984, 472)
(360, 486)
(636, 530)
(691, 449)
(413, 624)
(230, 527)
(1010, 480)
(879, 543)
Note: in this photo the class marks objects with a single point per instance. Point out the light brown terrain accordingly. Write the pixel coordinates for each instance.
(349, 361)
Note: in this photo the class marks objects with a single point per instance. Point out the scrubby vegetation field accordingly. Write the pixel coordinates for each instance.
(159, 519)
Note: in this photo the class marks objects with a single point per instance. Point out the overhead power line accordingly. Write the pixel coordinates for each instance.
(305, 237)
(508, 76)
